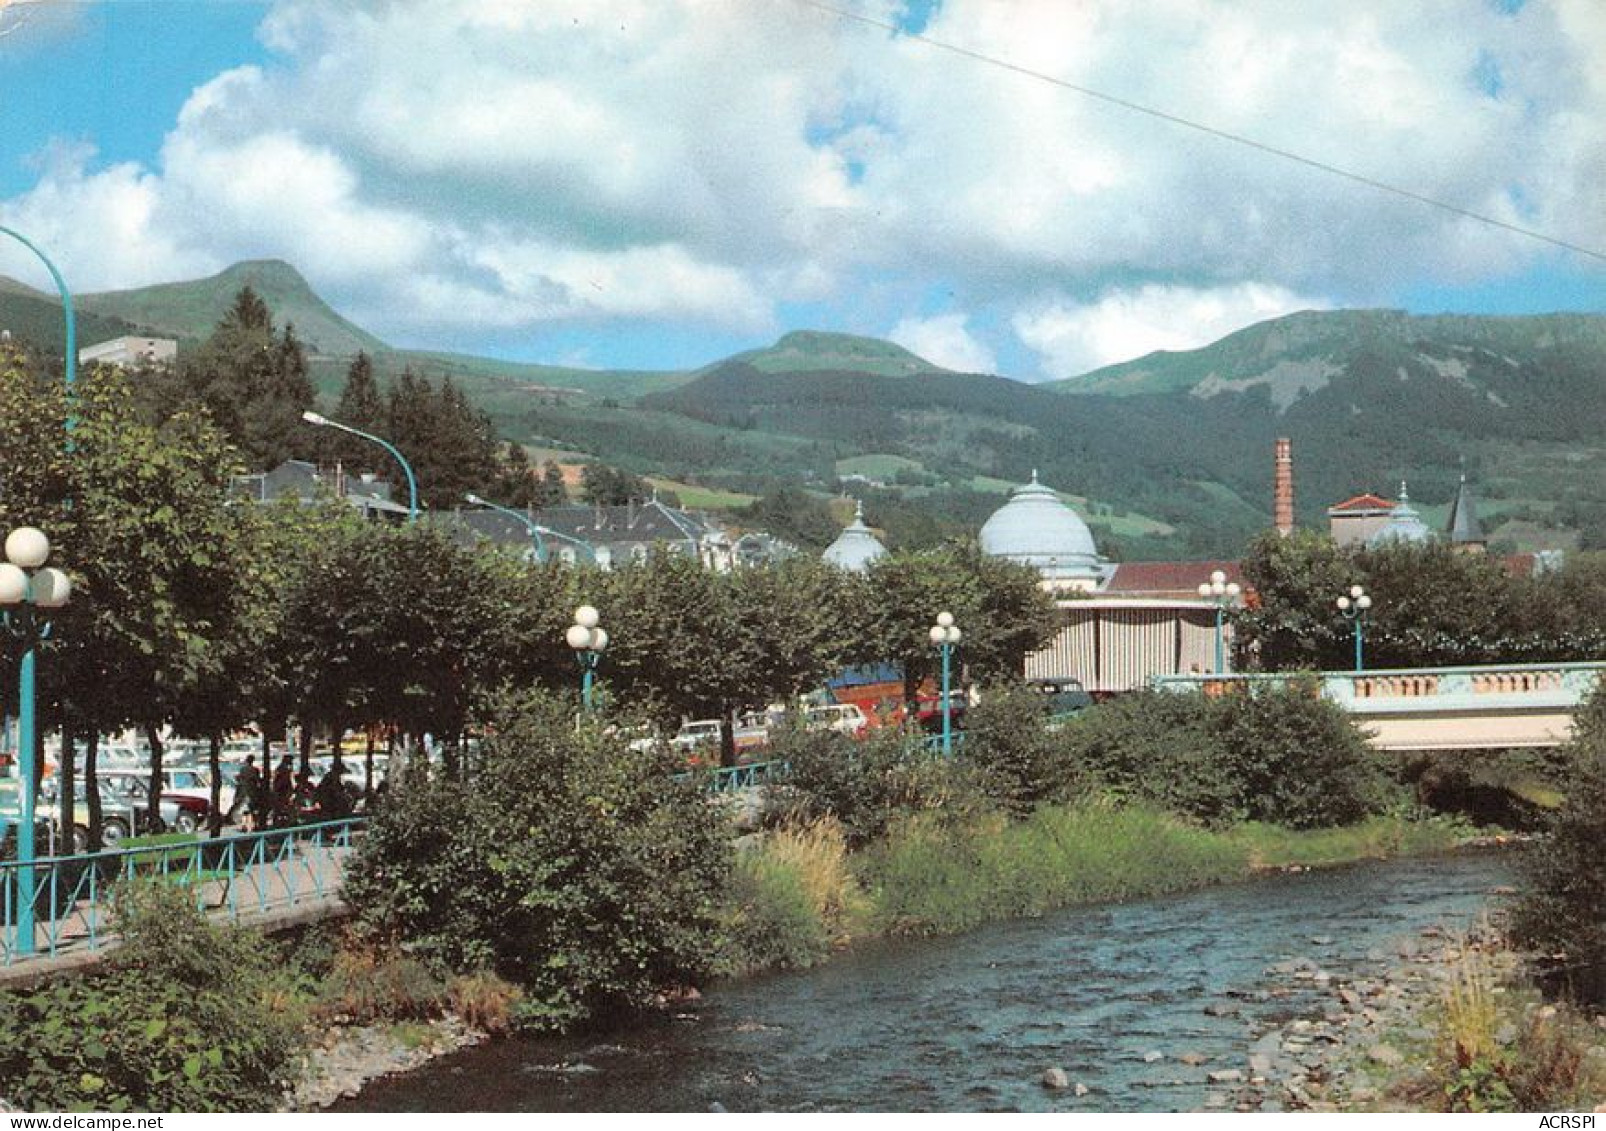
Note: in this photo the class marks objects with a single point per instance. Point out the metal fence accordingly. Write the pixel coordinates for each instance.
(232, 876)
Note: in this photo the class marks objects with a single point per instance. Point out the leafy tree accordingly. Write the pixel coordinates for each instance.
(610, 486)
(579, 869)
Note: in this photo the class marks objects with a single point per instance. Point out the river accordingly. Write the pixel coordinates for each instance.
(971, 1022)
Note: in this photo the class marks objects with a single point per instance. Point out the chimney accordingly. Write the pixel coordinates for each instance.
(1283, 495)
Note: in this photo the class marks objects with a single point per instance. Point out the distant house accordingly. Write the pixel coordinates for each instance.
(1354, 521)
(615, 535)
(129, 350)
(306, 482)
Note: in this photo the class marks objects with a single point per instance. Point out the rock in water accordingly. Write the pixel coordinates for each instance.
(1081, 1089)
(1056, 1080)
(1153, 1055)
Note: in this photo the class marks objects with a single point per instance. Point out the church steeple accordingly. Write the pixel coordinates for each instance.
(1463, 529)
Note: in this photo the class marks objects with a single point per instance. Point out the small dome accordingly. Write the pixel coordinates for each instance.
(1036, 529)
(1404, 525)
(856, 547)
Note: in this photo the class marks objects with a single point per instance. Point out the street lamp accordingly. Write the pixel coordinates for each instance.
(27, 585)
(1224, 593)
(320, 421)
(945, 636)
(529, 523)
(588, 642)
(1355, 605)
(70, 324)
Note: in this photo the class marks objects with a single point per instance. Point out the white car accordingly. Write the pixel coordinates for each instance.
(846, 718)
(700, 732)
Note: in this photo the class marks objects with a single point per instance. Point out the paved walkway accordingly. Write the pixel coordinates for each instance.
(298, 883)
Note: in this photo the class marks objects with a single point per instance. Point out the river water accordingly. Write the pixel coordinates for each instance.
(970, 1023)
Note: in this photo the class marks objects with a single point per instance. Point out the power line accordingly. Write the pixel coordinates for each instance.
(1213, 131)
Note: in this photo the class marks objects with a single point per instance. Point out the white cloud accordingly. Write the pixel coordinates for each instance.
(453, 163)
(1075, 338)
(946, 340)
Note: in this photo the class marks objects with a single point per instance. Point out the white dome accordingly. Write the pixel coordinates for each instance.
(1036, 529)
(856, 547)
(1404, 525)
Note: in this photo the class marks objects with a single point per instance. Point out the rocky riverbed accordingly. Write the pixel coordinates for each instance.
(1352, 1028)
(349, 1058)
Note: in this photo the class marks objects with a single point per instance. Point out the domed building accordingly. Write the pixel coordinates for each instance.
(1404, 525)
(856, 547)
(1036, 529)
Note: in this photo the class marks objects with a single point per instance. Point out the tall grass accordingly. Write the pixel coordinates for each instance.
(794, 897)
(1271, 846)
(930, 878)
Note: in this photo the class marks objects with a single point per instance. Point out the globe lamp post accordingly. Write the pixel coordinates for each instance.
(529, 523)
(27, 588)
(1355, 606)
(945, 637)
(1223, 594)
(589, 642)
(319, 421)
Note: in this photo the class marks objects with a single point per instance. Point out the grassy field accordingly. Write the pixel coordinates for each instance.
(877, 465)
(697, 498)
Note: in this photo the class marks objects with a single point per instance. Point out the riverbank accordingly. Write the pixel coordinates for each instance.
(802, 894)
(803, 898)
(1138, 1001)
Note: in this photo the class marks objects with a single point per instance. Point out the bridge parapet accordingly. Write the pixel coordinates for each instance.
(1489, 706)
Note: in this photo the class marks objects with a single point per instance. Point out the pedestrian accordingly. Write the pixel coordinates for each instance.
(331, 796)
(247, 784)
(284, 791)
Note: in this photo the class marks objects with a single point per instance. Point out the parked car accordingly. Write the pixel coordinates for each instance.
(846, 718)
(177, 812)
(1063, 699)
(119, 818)
(698, 733)
(752, 731)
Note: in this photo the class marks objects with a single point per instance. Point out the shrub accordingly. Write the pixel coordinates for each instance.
(792, 898)
(484, 1000)
(366, 983)
(186, 1016)
(865, 784)
(1562, 910)
(1298, 760)
(1020, 762)
(584, 872)
(1282, 755)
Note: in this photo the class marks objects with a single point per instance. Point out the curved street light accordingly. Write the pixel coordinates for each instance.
(27, 586)
(530, 524)
(1355, 606)
(945, 637)
(1224, 593)
(320, 421)
(589, 642)
(70, 322)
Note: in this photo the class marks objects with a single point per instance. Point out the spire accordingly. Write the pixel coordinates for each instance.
(1462, 527)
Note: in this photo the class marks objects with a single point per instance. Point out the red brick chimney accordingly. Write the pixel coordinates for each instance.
(1283, 500)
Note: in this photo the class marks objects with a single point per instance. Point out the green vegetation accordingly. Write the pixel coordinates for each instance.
(1562, 912)
(1421, 616)
(583, 873)
(185, 1016)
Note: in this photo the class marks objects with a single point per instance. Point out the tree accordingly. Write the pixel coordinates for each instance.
(362, 407)
(606, 486)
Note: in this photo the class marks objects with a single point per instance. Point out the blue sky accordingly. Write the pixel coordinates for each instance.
(618, 184)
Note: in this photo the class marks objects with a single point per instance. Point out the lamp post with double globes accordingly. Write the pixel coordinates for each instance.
(1355, 606)
(28, 586)
(945, 636)
(1223, 593)
(589, 642)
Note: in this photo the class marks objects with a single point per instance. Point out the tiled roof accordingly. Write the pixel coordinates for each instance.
(1179, 578)
(1363, 503)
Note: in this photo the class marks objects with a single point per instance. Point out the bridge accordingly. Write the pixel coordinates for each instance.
(272, 879)
(1471, 708)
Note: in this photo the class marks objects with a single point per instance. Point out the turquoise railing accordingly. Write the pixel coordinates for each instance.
(235, 876)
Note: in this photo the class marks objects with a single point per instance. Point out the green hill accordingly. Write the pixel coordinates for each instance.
(190, 310)
(804, 351)
(35, 319)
